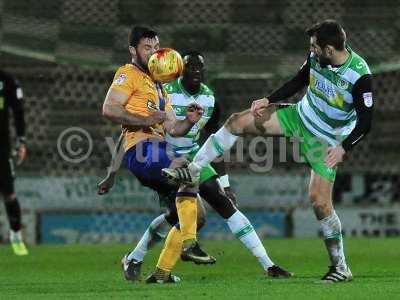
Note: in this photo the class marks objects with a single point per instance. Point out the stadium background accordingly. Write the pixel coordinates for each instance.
(65, 52)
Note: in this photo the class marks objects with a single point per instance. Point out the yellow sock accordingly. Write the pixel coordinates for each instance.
(172, 250)
(186, 205)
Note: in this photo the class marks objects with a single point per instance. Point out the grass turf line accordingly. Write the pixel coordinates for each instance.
(94, 272)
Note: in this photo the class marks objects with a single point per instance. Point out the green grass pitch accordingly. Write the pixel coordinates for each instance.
(94, 272)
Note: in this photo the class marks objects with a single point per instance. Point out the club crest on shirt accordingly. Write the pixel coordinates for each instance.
(343, 84)
(120, 80)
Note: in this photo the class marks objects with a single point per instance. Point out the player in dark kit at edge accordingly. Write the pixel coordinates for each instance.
(11, 97)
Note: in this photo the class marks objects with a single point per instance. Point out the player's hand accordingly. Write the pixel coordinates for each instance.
(156, 117)
(21, 153)
(258, 106)
(335, 156)
(104, 186)
(231, 195)
(194, 112)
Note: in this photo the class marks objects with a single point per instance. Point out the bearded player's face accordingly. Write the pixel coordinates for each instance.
(323, 55)
(145, 48)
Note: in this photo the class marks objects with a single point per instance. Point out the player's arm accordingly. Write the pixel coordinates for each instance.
(363, 105)
(107, 183)
(178, 128)
(114, 110)
(287, 90)
(15, 97)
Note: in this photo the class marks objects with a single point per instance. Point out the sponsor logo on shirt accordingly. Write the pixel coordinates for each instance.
(368, 99)
(151, 105)
(325, 88)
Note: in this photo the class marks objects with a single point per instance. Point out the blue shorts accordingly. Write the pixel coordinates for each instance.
(145, 160)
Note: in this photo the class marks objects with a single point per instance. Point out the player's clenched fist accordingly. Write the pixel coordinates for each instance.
(194, 112)
(258, 105)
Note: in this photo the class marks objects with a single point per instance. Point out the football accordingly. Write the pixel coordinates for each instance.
(165, 65)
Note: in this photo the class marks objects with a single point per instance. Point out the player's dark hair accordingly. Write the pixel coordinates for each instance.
(193, 53)
(328, 32)
(140, 32)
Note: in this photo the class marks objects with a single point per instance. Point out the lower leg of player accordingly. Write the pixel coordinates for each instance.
(170, 254)
(13, 210)
(321, 199)
(156, 231)
(13, 213)
(186, 205)
(332, 232)
(172, 250)
(241, 227)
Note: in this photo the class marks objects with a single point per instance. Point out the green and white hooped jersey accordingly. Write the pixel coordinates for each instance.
(327, 108)
(180, 100)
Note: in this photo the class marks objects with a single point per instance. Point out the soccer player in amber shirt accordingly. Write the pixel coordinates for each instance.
(146, 114)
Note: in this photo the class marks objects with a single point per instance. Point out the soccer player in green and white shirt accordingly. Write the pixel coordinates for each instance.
(332, 117)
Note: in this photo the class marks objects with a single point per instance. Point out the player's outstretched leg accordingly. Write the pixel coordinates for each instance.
(13, 210)
(214, 146)
(321, 198)
(237, 125)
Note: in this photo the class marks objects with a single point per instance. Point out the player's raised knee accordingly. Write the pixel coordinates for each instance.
(233, 124)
